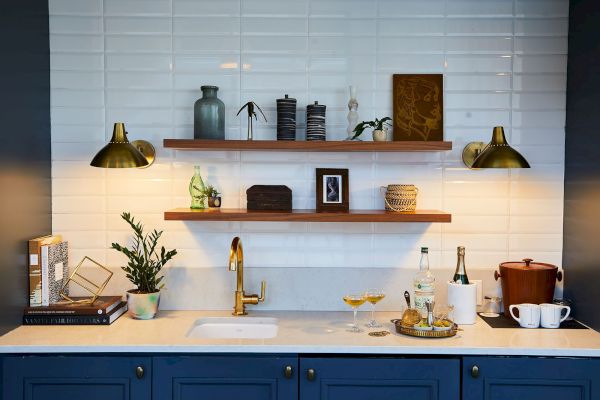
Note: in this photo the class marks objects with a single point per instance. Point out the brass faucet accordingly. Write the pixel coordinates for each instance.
(236, 263)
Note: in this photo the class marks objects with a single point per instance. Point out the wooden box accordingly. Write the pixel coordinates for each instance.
(269, 197)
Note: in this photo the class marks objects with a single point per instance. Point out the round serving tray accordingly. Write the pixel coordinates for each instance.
(410, 331)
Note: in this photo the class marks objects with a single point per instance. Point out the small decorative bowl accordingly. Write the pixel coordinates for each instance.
(422, 328)
(441, 328)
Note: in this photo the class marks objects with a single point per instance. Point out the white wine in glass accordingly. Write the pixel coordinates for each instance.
(354, 301)
(373, 296)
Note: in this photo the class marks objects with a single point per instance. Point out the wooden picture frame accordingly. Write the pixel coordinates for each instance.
(333, 192)
(418, 104)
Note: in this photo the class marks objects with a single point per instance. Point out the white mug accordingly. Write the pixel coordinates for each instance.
(551, 315)
(529, 314)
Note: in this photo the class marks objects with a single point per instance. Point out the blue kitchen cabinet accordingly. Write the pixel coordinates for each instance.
(76, 378)
(499, 378)
(379, 378)
(225, 378)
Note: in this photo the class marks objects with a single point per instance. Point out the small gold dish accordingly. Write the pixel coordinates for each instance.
(410, 331)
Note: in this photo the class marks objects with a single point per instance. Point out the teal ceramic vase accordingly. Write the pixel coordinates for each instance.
(209, 115)
(142, 305)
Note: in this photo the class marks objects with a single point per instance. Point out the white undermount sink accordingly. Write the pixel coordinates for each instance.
(234, 328)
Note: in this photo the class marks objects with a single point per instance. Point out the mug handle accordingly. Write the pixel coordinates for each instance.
(510, 309)
(567, 314)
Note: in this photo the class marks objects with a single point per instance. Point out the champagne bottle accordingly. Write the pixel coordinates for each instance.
(460, 275)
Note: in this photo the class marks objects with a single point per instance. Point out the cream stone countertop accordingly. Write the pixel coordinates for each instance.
(299, 332)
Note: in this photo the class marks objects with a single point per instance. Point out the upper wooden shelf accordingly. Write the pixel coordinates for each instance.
(316, 146)
(242, 214)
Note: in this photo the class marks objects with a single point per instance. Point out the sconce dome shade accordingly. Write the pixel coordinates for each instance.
(499, 154)
(119, 153)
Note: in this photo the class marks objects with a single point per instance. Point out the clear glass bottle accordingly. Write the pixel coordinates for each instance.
(460, 274)
(197, 190)
(424, 284)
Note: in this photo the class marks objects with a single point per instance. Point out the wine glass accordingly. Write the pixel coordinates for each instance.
(373, 296)
(354, 301)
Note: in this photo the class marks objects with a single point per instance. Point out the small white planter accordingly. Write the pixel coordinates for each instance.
(380, 135)
(142, 305)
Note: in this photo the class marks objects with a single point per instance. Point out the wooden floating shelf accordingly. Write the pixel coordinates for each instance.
(316, 146)
(242, 214)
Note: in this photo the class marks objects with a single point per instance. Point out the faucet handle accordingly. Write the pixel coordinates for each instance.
(263, 287)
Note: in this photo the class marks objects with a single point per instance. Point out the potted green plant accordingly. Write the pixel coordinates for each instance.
(145, 263)
(379, 128)
(214, 200)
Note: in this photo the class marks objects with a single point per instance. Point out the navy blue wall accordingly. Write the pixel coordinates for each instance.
(581, 256)
(25, 184)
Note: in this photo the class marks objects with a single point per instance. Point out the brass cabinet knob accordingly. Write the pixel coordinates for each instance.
(288, 371)
(139, 372)
(310, 374)
(475, 371)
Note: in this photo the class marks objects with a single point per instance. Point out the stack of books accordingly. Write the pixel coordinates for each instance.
(104, 311)
(48, 269)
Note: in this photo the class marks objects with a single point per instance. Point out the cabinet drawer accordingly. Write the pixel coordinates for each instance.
(225, 377)
(379, 378)
(70, 378)
(496, 378)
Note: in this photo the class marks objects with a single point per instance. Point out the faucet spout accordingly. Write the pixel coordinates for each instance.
(236, 263)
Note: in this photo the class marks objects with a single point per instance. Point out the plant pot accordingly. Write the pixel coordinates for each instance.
(380, 135)
(214, 202)
(142, 305)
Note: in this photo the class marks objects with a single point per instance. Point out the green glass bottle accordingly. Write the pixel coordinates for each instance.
(197, 190)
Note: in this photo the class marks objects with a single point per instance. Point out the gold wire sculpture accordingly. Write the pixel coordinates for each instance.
(82, 281)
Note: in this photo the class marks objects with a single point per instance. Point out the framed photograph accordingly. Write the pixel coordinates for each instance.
(418, 105)
(332, 190)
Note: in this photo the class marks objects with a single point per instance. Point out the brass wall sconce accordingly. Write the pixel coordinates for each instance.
(120, 153)
(495, 154)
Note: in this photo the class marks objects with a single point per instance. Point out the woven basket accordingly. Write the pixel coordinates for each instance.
(401, 198)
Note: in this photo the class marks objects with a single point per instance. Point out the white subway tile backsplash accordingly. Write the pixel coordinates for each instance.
(138, 62)
(61, 24)
(143, 62)
(79, 43)
(274, 8)
(542, 8)
(185, 8)
(137, 8)
(137, 25)
(541, 45)
(76, 62)
(479, 26)
(410, 8)
(138, 44)
(226, 26)
(478, 8)
(69, 7)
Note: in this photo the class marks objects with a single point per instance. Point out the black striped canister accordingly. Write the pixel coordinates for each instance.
(315, 121)
(286, 118)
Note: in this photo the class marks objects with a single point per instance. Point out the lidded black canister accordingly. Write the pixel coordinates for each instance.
(315, 121)
(286, 118)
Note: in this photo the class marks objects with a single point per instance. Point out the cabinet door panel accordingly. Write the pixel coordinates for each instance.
(224, 378)
(381, 379)
(531, 378)
(73, 378)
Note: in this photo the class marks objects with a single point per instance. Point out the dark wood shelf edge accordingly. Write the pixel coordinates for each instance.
(307, 146)
(186, 214)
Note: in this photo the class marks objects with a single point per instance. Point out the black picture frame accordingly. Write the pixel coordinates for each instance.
(332, 190)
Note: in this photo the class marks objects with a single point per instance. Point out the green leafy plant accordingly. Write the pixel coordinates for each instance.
(210, 191)
(145, 262)
(377, 125)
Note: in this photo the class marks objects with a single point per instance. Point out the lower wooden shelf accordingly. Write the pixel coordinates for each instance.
(242, 214)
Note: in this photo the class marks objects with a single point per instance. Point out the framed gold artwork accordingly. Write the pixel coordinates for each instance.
(418, 105)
